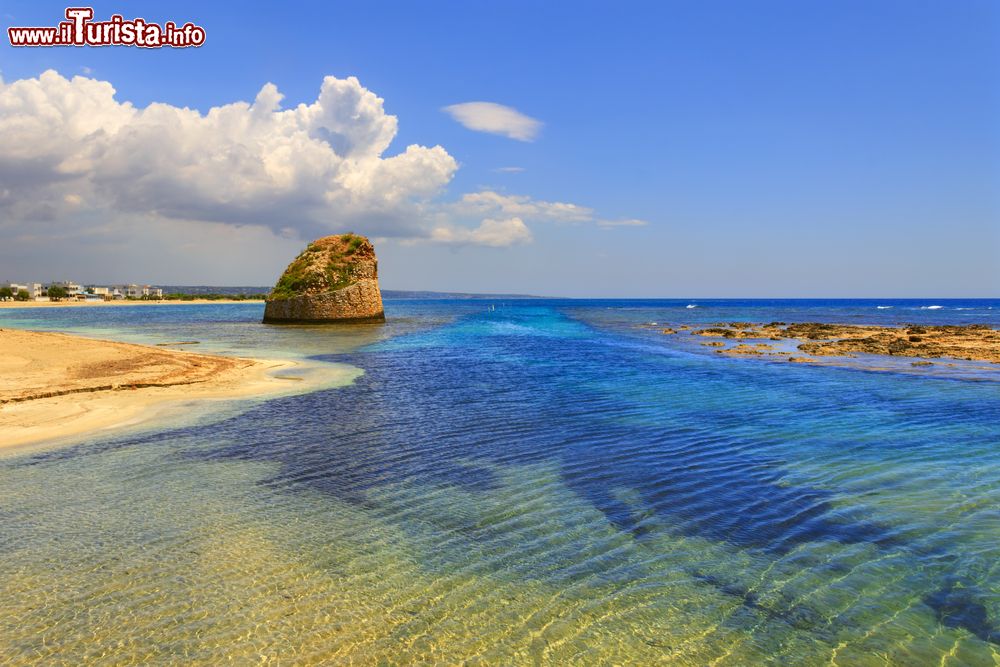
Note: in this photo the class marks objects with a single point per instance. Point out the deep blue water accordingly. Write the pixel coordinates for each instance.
(805, 513)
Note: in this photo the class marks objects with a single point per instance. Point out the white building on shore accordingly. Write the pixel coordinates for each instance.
(34, 290)
(75, 291)
(134, 291)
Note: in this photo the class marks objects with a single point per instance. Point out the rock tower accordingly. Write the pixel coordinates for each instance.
(334, 280)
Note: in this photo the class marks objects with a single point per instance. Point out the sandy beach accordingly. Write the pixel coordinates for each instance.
(55, 385)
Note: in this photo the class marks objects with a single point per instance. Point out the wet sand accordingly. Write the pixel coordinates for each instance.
(54, 385)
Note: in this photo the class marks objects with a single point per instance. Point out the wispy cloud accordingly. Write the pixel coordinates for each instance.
(509, 170)
(628, 222)
(492, 204)
(486, 202)
(495, 233)
(495, 119)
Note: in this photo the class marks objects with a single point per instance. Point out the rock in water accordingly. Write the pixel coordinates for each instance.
(335, 279)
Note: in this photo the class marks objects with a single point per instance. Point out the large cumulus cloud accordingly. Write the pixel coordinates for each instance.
(70, 145)
(77, 163)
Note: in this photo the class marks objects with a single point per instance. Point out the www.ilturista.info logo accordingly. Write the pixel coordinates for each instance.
(80, 30)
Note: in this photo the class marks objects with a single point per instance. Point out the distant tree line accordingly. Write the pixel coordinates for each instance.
(7, 294)
(56, 292)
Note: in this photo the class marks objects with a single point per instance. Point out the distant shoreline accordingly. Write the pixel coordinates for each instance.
(121, 302)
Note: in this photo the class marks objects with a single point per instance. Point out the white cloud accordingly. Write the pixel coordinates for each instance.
(491, 203)
(495, 233)
(78, 166)
(486, 202)
(495, 119)
(318, 167)
(509, 170)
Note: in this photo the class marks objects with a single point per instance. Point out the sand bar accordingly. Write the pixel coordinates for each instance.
(54, 386)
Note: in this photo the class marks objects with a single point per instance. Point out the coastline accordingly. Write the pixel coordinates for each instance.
(97, 304)
(55, 386)
(307, 513)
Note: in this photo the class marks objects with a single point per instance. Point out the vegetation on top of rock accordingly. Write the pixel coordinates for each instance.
(326, 265)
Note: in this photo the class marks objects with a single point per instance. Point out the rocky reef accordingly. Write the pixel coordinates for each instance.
(971, 342)
(334, 280)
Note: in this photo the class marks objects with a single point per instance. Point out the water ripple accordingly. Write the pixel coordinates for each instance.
(519, 486)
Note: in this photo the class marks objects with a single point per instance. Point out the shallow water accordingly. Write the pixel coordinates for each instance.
(540, 481)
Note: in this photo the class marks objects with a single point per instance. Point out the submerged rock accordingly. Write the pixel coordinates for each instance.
(334, 280)
(970, 342)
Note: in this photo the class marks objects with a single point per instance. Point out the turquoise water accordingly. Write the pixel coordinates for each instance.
(548, 482)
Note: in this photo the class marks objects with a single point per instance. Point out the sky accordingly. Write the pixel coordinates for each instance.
(757, 148)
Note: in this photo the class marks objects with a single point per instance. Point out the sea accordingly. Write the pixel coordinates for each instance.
(519, 481)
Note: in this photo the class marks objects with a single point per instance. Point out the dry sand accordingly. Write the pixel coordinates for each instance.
(53, 385)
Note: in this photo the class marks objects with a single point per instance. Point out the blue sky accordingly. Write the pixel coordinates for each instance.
(771, 148)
